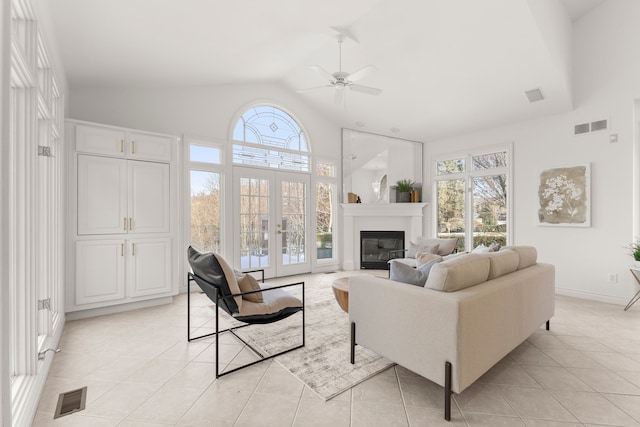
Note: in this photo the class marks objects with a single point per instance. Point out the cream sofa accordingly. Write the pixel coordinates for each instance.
(473, 310)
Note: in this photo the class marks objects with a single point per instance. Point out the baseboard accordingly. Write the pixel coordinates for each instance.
(591, 296)
(83, 314)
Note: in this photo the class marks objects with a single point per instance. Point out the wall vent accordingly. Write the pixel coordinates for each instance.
(70, 402)
(595, 126)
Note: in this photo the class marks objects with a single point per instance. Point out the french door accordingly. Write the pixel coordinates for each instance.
(271, 221)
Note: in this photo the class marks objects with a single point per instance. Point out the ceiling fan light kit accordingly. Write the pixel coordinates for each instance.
(340, 80)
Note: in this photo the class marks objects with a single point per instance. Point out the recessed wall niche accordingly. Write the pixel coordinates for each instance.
(372, 164)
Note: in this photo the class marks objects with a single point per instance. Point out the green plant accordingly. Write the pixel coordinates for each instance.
(635, 250)
(404, 186)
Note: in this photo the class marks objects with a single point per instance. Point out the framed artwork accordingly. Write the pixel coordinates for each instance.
(564, 196)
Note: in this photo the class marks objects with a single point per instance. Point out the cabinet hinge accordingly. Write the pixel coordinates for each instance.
(44, 304)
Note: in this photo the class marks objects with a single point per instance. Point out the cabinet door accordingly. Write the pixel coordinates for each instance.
(97, 140)
(149, 197)
(102, 195)
(149, 147)
(100, 271)
(149, 267)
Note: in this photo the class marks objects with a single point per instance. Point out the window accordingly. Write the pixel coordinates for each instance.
(206, 159)
(325, 210)
(268, 137)
(483, 217)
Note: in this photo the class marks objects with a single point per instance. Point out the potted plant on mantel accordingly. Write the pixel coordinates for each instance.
(635, 253)
(404, 187)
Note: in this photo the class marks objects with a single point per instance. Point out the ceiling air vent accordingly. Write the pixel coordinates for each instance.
(596, 126)
(534, 95)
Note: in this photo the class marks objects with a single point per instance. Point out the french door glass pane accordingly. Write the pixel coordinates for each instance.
(451, 208)
(324, 220)
(205, 210)
(254, 223)
(490, 210)
(293, 196)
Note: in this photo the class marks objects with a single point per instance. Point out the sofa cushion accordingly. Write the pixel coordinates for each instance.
(528, 255)
(445, 246)
(502, 262)
(415, 248)
(459, 273)
(401, 272)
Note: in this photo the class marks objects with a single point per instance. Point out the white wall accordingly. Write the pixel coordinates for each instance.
(606, 70)
(207, 111)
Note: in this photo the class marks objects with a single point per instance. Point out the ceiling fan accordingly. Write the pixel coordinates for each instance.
(341, 80)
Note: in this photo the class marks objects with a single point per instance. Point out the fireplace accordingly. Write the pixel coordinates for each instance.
(376, 245)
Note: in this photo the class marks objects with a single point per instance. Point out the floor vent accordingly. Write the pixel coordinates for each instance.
(70, 402)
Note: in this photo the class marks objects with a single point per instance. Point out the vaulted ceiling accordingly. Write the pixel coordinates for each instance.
(445, 66)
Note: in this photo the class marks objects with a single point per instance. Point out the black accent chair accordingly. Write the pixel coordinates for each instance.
(218, 281)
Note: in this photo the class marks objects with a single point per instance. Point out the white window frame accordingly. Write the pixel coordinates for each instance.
(189, 165)
(321, 264)
(468, 176)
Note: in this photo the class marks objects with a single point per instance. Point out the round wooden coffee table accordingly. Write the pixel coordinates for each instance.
(341, 292)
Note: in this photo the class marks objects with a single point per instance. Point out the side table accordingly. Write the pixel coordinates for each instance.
(341, 292)
(635, 272)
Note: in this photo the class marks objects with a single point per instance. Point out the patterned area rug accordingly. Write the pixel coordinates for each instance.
(323, 363)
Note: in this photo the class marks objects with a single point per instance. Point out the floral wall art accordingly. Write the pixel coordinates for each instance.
(564, 196)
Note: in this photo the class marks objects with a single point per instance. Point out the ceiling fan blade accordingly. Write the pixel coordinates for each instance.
(309, 89)
(339, 96)
(366, 89)
(362, 73)
(324, 73)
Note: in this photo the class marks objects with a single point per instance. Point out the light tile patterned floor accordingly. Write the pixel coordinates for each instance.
(141, 372)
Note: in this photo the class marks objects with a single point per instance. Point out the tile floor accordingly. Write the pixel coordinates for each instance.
(141, 372)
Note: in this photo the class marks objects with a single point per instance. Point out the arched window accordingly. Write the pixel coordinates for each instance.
(268, 137)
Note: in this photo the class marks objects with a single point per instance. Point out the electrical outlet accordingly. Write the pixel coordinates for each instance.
(613, 278)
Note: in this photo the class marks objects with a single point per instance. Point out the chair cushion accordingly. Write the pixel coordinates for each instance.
(248, 283)
(445, 246)
(215, 270)
(459, 273)
(274, 301)
(401, 272)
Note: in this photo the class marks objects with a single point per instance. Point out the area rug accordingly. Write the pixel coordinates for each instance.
(323, 363)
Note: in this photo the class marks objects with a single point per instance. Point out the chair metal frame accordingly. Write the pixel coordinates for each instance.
(192, 277)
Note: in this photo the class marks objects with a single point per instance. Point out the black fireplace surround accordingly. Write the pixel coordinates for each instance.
(376, 245)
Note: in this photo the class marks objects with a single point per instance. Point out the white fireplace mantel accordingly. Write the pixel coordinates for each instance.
(377, 217)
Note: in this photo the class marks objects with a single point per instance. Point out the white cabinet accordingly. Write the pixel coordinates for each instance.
(122, 196)
(99, 271)
(117, 142)
(118, 271)
(123, 187)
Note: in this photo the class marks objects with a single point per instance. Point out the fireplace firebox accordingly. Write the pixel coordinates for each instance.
(375, 247)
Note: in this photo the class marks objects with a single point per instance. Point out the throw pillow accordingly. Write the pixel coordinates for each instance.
(446, 246)
(423, 258)
(481, 249)
(401, 272)
(249, 283)
(494, 247)
(415, 248)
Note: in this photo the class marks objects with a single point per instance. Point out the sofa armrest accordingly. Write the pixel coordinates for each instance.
(410, 325)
